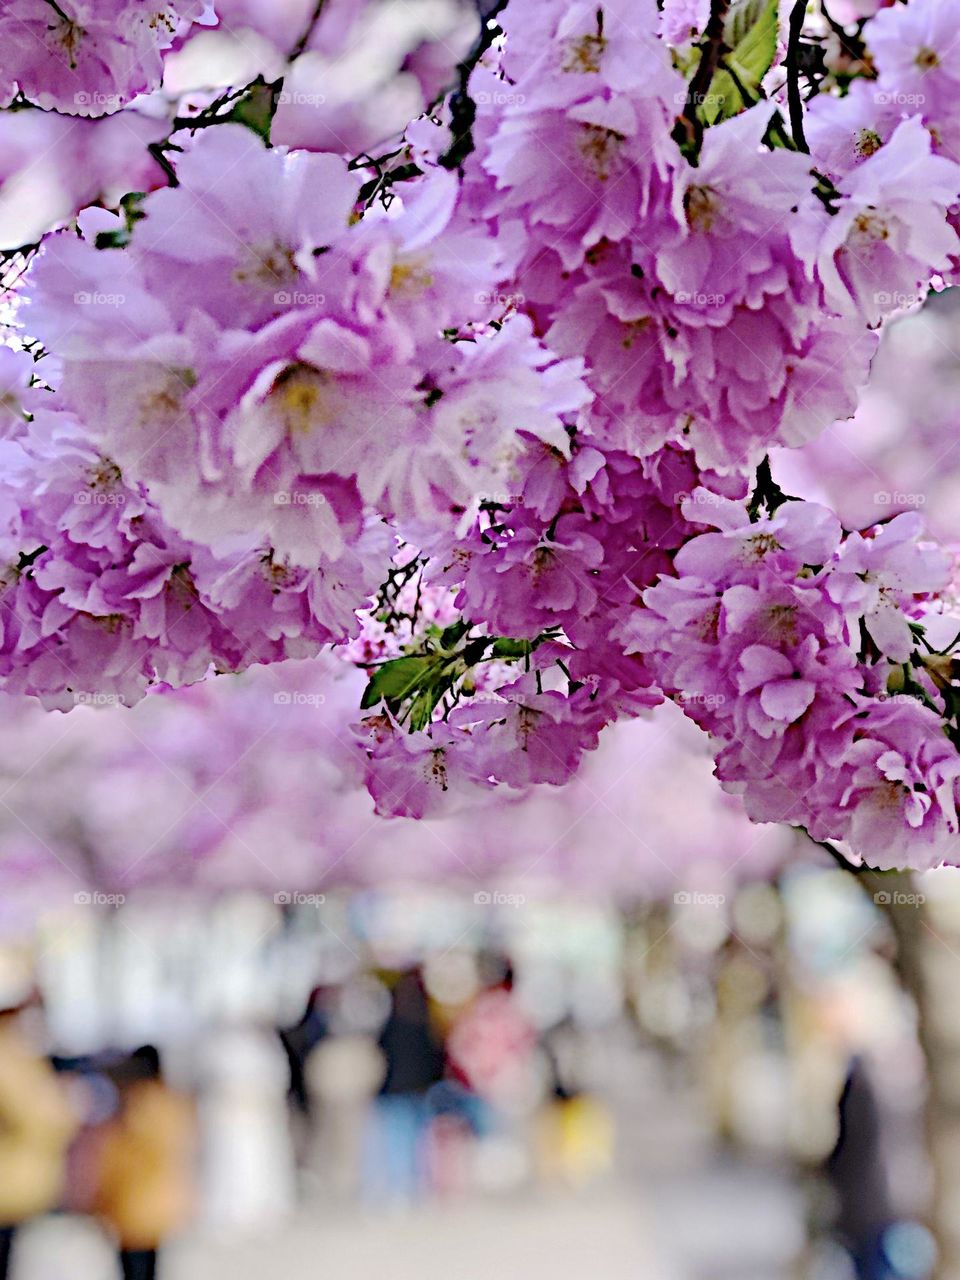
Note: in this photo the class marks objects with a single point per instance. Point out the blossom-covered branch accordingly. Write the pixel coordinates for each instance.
(488, 403)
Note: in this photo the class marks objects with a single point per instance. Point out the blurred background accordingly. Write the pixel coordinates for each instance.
(615, 1031)
(428, 1082)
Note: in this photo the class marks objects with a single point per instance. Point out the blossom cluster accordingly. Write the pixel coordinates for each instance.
(101, 90)
(100, 594)
(554, 571)
(793, 647)
(87, 57)
(470, 408)
(715, 297)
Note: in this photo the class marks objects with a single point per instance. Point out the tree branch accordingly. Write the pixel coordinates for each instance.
(304, 40)
(713, 48)
(463, 109)
(792, 64)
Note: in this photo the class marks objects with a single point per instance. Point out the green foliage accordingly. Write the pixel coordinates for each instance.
(412, 687)
(131, 209)
(750, 36)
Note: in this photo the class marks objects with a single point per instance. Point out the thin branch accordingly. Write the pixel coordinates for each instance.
(851, 45)
(304, 40)
(463, 109)
(792, 64)
(156, 149)
(56, 8)
(713, 47)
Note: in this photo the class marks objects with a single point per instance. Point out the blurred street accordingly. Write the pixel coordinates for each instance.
(395, 1087)
(673, 1213)
(733, 1229)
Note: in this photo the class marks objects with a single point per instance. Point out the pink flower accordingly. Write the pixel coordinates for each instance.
(876, 578)
(537, 578)
(914, 47)
(889, 235)
(528, 736)
(844, 132)
(682, 21)
(417, 775)
(582, 146)
(255, 259)
(87, 57)
(734, 217)
(797, 534)
(776, 688)
(894, 783)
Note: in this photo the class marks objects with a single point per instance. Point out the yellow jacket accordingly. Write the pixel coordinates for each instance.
(144, 1177)
(36, 1124)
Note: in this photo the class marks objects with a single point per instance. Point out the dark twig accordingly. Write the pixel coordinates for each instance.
(304, 40)
(792, 64)
(463, 109)
(851, 43)
(767, 494)
(158, 152)
(56, 8)
(712, 49)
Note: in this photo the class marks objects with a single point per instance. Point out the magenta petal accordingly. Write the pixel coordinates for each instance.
(787, 700)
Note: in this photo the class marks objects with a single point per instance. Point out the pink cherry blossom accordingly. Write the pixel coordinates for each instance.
(87, 58)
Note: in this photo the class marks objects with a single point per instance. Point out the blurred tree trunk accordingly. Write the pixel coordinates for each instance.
(928, 959)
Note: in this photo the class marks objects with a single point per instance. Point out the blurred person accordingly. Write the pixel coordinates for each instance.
(413, 1063)
(298, 1043)
(248, 1165)
(95, 1099)
(574, 1130)
(342, 1075)
(144, 1183)
(301, 1039)
(36, 1125)
(491, 1051)
(491, 1044)
(857, 1170)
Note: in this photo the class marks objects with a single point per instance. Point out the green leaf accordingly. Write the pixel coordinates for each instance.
(451, 636)
(413, 686)
(741, 18)
(424, 704)
(507, 648)
(256, 108)
(132, 211)
(397, 679)
(750, 34)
